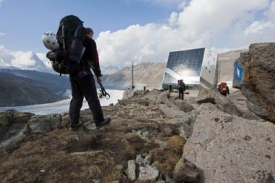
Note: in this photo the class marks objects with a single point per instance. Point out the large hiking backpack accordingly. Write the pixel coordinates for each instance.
(181, 85)
(223, 88)
(70, 36)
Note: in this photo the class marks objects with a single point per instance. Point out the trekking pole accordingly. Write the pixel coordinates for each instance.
(103, 91)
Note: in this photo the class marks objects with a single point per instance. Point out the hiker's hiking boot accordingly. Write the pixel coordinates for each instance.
(106, 121)
(74, 127)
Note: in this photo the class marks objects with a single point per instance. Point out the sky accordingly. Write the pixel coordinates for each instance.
(136, 30)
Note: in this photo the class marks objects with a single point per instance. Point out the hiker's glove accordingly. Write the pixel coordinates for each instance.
(99, 79)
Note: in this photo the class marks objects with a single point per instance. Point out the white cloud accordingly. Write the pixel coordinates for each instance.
(152, 41)
(2, 34)
(5, 56)
(270, 12)
(173, 18)
(23, 59)
(205, 15)
(258, 28)
(222, 24)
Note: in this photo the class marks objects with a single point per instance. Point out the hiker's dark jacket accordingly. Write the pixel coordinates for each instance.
(181, 87)
(91, 55)
(84, 85)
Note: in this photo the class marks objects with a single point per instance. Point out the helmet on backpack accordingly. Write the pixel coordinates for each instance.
(50, 41)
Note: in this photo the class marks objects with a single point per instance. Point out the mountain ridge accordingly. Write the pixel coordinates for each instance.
(148, 74)
(18, 91)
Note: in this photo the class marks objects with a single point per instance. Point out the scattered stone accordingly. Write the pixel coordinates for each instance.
(131, 170)
(185, 171)
(147, 173)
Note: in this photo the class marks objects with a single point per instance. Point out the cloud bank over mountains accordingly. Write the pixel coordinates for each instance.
(221, 24)
(24, 60)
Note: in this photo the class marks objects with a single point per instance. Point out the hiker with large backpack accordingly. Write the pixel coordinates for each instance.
(83, 85)
(223, 89)
(76, 54)
(181, 89)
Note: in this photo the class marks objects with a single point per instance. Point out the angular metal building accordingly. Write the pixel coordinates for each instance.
(197, 68)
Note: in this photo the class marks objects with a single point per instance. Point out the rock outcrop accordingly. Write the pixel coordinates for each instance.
(227, 148)
(254, 75)
(20, 88)
(147, 74)
(151, 138)
(144, 142)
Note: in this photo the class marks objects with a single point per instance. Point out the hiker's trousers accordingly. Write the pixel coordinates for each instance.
(84, 86)
(181, 94)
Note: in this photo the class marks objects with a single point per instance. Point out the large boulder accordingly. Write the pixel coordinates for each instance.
(240, 102)
(221, 102)
(254, 75)
(227, 148)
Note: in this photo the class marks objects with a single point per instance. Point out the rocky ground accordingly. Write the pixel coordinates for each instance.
(145, 142)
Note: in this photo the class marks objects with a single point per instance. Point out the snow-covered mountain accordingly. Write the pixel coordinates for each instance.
(39, 65)
(23, 61)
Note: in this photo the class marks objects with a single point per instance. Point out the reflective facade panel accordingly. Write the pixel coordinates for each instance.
(194, 66)
(208, 76)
